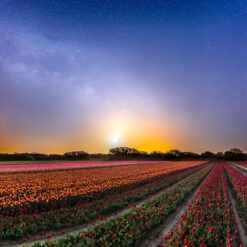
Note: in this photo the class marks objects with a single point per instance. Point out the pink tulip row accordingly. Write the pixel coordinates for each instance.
(67, 165)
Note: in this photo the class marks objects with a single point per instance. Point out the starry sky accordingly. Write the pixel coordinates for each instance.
(154, 75)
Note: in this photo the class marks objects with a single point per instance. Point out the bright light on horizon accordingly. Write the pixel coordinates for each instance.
(115, 140)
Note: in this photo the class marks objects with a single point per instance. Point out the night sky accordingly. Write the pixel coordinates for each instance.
(154, 75)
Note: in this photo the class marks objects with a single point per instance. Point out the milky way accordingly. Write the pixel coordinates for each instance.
(159, 74)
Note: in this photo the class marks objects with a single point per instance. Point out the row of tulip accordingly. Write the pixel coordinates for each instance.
(68, 165)
(238, 181)
(209, 220)
(25, 225)
(43, 191)
(132, 227)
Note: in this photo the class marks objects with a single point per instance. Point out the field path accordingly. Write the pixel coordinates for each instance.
(239, 168)
(156, 237)
(84, 227)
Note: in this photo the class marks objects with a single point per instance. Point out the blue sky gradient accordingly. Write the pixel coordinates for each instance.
(155, 74)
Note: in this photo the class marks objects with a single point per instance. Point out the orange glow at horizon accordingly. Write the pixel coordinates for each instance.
(116, 130)
(134, 132)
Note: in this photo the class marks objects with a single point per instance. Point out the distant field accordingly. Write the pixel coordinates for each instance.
(24, 166)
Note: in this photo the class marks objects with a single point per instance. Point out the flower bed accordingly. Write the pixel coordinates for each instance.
(132, 227)
(209, 220)
(24, 225)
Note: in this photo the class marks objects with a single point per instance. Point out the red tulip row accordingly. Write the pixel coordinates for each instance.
(24, 225)
(209, 220)
(239, 184)
(132, 227)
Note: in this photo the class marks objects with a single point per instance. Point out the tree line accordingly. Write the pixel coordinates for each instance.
(126, 153)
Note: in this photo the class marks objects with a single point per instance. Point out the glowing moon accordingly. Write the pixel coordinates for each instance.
(115, 140)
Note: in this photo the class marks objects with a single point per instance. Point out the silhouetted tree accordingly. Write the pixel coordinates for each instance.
(234, 154)
(77, 155)
(208, 155)
(126, 153)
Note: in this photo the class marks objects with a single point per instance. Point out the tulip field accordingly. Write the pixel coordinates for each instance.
(123, 204)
